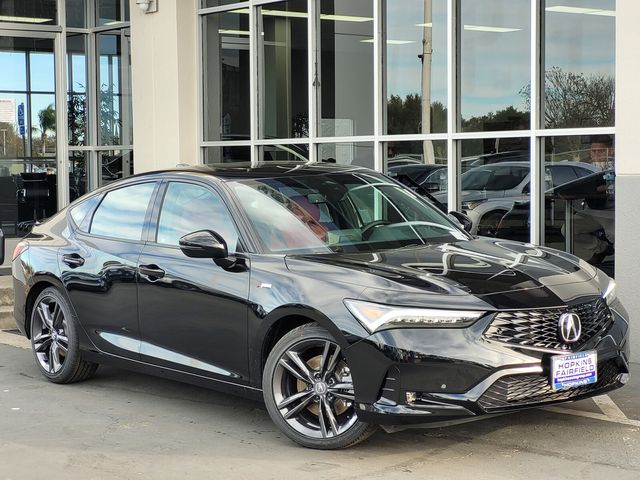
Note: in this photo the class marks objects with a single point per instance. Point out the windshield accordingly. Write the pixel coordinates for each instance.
(342, 212)
(494, 177)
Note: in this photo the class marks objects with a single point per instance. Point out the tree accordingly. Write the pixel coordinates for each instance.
(574, 100)
(47, 121)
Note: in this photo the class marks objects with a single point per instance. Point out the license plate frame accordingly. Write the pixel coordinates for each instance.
(574, 370)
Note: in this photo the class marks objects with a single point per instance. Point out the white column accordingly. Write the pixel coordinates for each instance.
(628, 164)
(164, 85)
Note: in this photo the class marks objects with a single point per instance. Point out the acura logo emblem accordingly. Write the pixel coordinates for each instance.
(569, 327)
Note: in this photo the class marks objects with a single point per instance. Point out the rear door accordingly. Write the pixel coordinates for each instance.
(193, 312)
(99, 266)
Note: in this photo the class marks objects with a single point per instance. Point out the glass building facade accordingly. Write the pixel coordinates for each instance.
(505, 108)
(65, 104)
(501, 108)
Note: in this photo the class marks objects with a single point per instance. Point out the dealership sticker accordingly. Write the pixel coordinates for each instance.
(576, 370)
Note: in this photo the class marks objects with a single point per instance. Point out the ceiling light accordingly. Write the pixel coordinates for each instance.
(390, 42)
(345, 18)
(233, 32)
(486, 28)
(426, 25)
(10, 18)
(580, 10)
(324, 16)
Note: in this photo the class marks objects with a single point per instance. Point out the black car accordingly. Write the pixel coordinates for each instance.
(338, 295)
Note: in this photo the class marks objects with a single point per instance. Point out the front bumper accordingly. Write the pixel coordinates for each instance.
(450, 376)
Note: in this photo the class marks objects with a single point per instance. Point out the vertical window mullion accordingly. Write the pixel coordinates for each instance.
(453, 96)
(312, 58)
(536, 192)
(378, 99)
(253, 83)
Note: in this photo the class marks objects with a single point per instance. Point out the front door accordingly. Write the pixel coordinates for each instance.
(193, 312)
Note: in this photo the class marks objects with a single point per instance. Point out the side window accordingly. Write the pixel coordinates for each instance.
(188, 208)
(562, 175)
(80, 212)
(121, 213)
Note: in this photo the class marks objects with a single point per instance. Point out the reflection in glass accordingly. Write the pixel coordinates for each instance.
(579, 63)
(110, 11)
(206, 212)
(496, 176)
(78, 164)
(115, 86)
(284, 153)
(241, 154)
(121, 213)
(77, 89)
(43, 125)
(41, 71)
(357, 153)
(226, 65)
(580, 197)
(37, 12)
(345, 78)
(416, 66)
(218, 3)
(405, 163)
(76, 13)
(283, 66)
(495, 64)
(114, 164)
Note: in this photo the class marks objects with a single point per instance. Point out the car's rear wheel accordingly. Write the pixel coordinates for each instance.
(309, 391)
(54, 340)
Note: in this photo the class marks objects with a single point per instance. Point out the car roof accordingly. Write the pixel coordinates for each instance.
(271, 169)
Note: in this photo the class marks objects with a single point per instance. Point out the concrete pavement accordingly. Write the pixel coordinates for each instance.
(122, 425)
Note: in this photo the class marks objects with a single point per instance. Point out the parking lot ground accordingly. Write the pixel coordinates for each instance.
(123, 425)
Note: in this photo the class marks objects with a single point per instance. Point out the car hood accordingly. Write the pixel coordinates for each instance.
(498, 271)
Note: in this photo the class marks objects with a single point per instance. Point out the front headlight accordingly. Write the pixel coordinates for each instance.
(374, 316)
(610, 294)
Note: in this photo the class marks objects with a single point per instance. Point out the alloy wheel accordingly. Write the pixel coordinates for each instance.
(313, 389)
(50, 340)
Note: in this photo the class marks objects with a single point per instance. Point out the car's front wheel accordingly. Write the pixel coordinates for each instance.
(309, 393)
(54, 340)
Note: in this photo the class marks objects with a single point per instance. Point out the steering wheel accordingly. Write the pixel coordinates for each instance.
(367, 230)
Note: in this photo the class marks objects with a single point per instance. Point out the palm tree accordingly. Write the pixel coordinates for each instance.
(47, 119)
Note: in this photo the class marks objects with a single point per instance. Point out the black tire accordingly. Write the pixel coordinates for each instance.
(71, 366)
(354, 432)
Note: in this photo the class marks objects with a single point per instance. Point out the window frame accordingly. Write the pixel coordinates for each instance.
(147, 217)
(232, 210)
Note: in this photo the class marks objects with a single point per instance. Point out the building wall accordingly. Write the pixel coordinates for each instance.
(164, 90)
(628, 163)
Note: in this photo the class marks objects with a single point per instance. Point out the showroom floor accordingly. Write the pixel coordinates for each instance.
(126, 425)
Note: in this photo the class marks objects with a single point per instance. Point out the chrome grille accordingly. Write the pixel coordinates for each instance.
(539, 328)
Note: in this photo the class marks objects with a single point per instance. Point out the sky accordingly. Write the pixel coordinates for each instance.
(494, 66)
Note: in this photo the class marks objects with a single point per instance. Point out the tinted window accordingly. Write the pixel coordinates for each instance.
(562, 175)
(79, 212)
(347, 212)
(494, 177)
(121, 213)
(188, 208)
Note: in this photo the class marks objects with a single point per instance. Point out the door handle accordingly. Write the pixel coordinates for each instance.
(73, 260)
(151, 271)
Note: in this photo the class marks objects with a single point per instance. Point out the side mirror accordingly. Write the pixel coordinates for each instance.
(462, 219)
(204, 244)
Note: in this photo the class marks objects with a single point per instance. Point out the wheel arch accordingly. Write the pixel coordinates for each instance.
(37, 285)
(280, 322)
